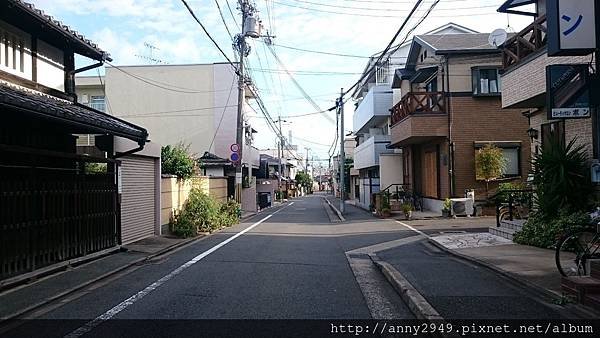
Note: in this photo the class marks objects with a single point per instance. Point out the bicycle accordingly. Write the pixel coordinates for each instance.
(575, 250)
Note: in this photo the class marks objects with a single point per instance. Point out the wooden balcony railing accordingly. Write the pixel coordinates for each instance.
(418, 103)
(528, 41)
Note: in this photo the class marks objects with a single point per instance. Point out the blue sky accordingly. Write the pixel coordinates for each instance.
(355, 27)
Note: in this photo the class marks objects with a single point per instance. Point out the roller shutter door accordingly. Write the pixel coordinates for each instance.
(138, 198)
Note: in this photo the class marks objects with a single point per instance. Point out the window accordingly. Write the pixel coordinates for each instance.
(12, 51)
(512, 155)
(98, 103)
(486, 81)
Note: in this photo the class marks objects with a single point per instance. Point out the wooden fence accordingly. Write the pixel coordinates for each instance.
(49, 215)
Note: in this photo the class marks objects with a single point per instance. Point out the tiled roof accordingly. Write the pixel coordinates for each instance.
(456, 42)
(71, 113)
(53, 23)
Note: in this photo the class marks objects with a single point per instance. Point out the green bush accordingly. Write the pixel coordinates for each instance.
(543, 231)
(230, 213)
(176, 160)
(562, 179)
(202, 213)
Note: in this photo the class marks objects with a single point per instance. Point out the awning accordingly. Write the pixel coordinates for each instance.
(401, 74)
(423, 74)
(509, 5)
(83, 119)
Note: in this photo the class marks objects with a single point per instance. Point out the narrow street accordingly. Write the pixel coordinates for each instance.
(291, 264)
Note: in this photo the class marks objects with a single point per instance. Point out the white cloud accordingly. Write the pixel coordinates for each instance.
(122, 26)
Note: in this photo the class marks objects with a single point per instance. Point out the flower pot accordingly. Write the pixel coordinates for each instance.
(408, 215)
(446, 213)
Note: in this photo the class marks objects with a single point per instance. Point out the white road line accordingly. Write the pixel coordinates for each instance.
(89, 326)
(413, 229)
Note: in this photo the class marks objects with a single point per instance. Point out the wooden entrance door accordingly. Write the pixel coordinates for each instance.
(430, 170)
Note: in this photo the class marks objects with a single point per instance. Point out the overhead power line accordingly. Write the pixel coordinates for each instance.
(322, 52)
(209, 36)
(387, 48)
(223, 19)
(357, 12)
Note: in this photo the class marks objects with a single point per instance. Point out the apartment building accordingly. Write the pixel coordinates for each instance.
(378, 165)
(450, 106)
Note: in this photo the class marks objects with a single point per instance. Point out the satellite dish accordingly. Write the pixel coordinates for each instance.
(497, 37)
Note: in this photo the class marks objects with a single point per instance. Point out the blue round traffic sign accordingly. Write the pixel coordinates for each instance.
(234, 157)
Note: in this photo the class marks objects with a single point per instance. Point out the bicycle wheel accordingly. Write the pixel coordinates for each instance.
(572, 252)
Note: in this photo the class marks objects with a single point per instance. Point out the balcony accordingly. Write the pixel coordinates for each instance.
(525, 43)
(418, 117)
(374, 108)
(366, 155)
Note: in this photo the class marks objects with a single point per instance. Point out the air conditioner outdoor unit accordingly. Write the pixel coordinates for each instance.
(462, 207)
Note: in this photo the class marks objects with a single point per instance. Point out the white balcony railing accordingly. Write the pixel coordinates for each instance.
(374, 108)
(366, 154)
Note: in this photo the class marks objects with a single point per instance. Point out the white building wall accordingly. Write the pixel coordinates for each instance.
(390, 170)
(182, 113)
(50, 66)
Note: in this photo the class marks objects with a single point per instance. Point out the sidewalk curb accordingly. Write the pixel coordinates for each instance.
(539, 292)
(101, 277)
(338, 213)
(115, 271)
(417, 304)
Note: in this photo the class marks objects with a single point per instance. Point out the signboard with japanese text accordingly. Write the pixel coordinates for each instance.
(568, 88)
(572, 27)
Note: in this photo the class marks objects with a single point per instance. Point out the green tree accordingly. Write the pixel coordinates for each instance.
(490, 164)
(304, 180)
(176, 160)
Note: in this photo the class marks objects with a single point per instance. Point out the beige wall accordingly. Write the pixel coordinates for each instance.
(182, 114)
(460, 70)
(528, 79)
(390, 170)
(174, 193)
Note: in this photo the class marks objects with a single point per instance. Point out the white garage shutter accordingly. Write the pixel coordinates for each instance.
(137, 199)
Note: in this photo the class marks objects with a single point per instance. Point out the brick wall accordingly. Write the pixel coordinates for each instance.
(483, 119)
(581, 129)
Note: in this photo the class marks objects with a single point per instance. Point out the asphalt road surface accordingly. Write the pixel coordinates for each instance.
(286, 263)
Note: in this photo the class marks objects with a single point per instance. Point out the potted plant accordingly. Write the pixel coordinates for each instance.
(447, 208)
(386, 212)
(407, 210)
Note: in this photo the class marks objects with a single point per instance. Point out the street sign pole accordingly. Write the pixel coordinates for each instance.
(342, 155)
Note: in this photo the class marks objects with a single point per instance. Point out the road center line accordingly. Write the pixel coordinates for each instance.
(89, 326)
(413, 229)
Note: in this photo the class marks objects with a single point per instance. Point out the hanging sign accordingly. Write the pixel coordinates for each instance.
(571, 27)
(568, 91)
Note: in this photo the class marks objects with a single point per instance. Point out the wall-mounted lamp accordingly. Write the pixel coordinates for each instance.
(533, 134)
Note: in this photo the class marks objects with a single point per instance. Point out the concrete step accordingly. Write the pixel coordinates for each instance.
(512, 225)
(595, 269)
(592, 301)
(502, 232)
(580, 287)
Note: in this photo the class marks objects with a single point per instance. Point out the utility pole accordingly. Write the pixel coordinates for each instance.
(342, 154)
(280, 153)
(307, 149)
(248, 30)
(239, 139)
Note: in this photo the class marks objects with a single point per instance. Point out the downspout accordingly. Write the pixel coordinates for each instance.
(451, 177)
(71, 74)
